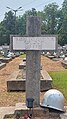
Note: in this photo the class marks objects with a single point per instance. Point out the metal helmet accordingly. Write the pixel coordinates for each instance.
(53, 99)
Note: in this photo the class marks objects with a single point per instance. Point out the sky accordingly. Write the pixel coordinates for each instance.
(25, 4)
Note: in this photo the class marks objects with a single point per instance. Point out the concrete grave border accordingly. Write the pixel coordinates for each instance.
(2, 65)
(64, 64)
(19, 84)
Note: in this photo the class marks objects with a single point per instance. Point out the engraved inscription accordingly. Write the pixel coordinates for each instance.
(34, 43)
(31, 44)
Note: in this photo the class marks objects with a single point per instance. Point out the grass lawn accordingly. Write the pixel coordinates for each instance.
(60, 81)
(23, 56)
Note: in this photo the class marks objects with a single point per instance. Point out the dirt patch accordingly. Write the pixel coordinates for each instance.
(50, 65)
(9, 71)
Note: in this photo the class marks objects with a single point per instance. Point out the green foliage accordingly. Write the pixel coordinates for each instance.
(50, 12)
(63, 24)
(17, 115)
(7, 27)
(60, 81)
(2, 33)
(54, 21)
(32, 12)
(23, 56)
(9, 22)
(20, 25)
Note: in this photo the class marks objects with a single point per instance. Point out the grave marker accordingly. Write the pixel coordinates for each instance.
(5, 49)
(33, 43)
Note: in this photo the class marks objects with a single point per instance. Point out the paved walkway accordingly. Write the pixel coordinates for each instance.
(6, 110)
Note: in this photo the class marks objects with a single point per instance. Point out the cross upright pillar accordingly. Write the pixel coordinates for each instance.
(33, 61)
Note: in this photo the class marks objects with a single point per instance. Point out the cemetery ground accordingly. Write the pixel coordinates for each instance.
(11, 70)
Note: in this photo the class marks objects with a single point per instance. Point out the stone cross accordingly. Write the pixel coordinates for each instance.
(33, 43)
(33, 59)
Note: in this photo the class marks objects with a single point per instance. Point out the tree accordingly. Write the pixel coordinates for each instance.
(32, 12)
(9, 22)
(50, 12)
(43, 24)
(63, 24)
(9, 25)
(21, 25)
(54, 21)
(21, 21)
(2, 34)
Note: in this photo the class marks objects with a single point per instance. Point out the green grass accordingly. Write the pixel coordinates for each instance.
(23, 56)
(60, 81)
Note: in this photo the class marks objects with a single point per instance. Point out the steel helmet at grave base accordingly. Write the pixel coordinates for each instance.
(53, 99)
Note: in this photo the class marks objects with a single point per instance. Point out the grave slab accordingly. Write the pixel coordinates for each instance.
(24, 59)
(2, 65)
(20, 84)
(64, 64)
(6, 60)
(22, 65)
(39, 113)
(51, 57)
(16, 85)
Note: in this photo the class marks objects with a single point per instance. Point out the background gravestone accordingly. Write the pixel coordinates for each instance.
(33, 59)
(5, 49)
